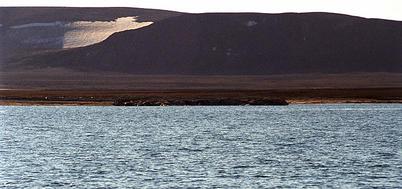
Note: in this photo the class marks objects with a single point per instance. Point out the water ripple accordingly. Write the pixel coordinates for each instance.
(348, 146)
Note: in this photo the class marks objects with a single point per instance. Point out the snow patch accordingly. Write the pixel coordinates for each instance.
(251, 23)
(84, 33)
(74, 34)
(228, 52)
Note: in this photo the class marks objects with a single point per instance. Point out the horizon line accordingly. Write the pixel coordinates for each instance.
(205, 12)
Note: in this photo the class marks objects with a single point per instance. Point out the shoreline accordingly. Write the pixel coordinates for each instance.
(292, 102)
(193, 97)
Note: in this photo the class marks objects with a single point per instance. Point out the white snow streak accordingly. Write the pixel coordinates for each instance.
(30, 25)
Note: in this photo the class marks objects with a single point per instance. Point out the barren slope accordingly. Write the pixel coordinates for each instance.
(245, 44)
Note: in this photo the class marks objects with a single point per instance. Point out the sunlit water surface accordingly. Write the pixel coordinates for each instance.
(222, 147)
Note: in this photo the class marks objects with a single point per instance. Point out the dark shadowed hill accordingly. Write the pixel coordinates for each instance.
(244, 43)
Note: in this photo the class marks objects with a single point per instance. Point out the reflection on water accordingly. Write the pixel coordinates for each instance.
(224, 147)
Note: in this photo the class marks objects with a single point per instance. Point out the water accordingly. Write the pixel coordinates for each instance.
(356, 146)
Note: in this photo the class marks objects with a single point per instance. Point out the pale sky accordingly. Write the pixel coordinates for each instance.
(387, 9)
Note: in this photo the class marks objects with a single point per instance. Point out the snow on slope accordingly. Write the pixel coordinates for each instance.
(70, 34)
(87, 33)
(30, 25)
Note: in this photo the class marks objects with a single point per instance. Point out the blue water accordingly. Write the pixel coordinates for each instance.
(356, 146)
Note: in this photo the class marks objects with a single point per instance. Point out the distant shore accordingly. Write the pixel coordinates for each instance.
(197, 97)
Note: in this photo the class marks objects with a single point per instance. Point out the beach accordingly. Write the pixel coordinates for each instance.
(108, 97)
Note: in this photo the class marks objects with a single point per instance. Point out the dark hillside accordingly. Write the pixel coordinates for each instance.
(244, 43)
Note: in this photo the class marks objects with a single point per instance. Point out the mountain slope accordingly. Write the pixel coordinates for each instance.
(245, 43)
(29, 30)
(23, 15)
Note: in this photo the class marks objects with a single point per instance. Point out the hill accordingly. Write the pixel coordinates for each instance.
(243, 44)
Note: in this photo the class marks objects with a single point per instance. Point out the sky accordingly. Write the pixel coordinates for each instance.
(386, 9)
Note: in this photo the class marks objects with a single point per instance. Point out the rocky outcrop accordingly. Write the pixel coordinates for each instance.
(200, 102)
